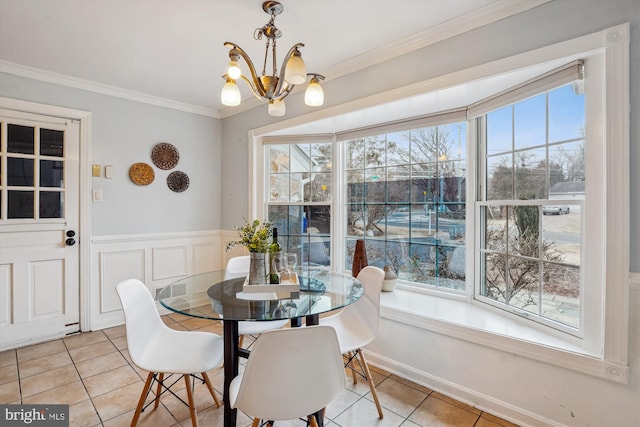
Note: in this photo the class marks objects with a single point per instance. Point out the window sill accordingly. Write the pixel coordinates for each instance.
(481, 325)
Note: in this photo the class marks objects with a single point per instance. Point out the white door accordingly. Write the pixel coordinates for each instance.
(39, 216)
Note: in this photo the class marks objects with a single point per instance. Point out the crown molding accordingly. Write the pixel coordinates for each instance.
(491, 13)
(461, 24)
(91, 86)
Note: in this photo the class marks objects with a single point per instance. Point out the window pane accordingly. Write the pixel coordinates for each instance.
(561, 225)
(499, 131)
(354, 154)
(279, 158)
(297, 186)
(375, 190)
(398, 179)
(398, 148)
(51, 142)
(530, 122)
(51, 173)
(300, 157)
(561, 294)
(524, 231)
(523, 285)
(375, 151)
(320, 187)
(20, 204)
(494, 284)
(279, 188)
(20, 139)
(495, 230)
(499, 177)
(51, 204)
(531, 174)
(20, 172)
(568, 164)
(566, 113)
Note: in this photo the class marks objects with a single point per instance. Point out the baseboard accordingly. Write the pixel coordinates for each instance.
(516, 415)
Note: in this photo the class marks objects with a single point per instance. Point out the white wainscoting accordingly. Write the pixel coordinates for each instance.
(155, 259)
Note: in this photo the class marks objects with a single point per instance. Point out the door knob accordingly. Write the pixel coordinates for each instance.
(71, 233)
(70, 242)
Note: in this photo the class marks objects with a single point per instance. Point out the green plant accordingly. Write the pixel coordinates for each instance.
(254, 236)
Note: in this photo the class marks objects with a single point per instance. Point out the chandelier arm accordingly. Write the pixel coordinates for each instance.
(253, 89)
(258, 84)
(282, 69)
(286, 92)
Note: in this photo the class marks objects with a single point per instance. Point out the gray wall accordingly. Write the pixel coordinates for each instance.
(123, 133)
(550, 23)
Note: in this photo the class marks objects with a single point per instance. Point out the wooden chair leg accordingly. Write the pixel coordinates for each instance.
(192, 406)
(354, 375)
(158, 390)
(256, 422)
(240, 341)
(372, 386)
(312, 421)
(210, 387)
(145, 390)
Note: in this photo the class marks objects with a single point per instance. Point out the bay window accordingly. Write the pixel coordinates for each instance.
(513, 203)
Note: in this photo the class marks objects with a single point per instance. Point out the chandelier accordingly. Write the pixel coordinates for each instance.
(273, 87)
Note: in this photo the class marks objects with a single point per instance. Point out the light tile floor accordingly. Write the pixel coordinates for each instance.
(93, 373)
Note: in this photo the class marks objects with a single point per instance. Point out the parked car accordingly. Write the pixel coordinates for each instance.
(555, 210)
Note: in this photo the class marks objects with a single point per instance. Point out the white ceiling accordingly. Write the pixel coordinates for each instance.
(173, 49)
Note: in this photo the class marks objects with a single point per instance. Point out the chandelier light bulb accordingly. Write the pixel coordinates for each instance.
(314, 95)
(234, 70)
(230, 94)
(296, 71)
(277, 108)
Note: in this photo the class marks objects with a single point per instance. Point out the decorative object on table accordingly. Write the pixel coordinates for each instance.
(274, 250)
(284, 265)
(273, 87)
(178, 181)
(141, 174)
(254, 236)
(359, 258)
(165, 155)
(390, 279)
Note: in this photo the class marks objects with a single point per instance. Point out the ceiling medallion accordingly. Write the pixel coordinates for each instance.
(272, 87)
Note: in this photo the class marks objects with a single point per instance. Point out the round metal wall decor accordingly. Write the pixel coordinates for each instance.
(165, 156)
(178, 181)
(141, 174)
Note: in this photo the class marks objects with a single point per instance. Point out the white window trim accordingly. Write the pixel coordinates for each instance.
(612, 362)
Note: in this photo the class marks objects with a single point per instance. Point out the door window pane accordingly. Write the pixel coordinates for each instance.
(20, 139)
(51, 173)
(51, 142)
(51, 204)
(20, 172)
(20, 204)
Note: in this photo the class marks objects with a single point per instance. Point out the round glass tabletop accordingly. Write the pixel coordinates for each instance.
(214, 296)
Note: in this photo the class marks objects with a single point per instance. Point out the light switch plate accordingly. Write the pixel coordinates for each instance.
(95, 170)
(108, 171)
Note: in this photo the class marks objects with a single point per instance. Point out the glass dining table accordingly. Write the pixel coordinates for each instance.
(215, 296)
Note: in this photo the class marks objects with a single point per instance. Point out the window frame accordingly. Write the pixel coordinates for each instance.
(591, 246)
(606, 358)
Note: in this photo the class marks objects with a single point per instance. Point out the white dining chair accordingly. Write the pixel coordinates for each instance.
(292, 373)
(239, 267)
(160, 350)
(357, 326)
